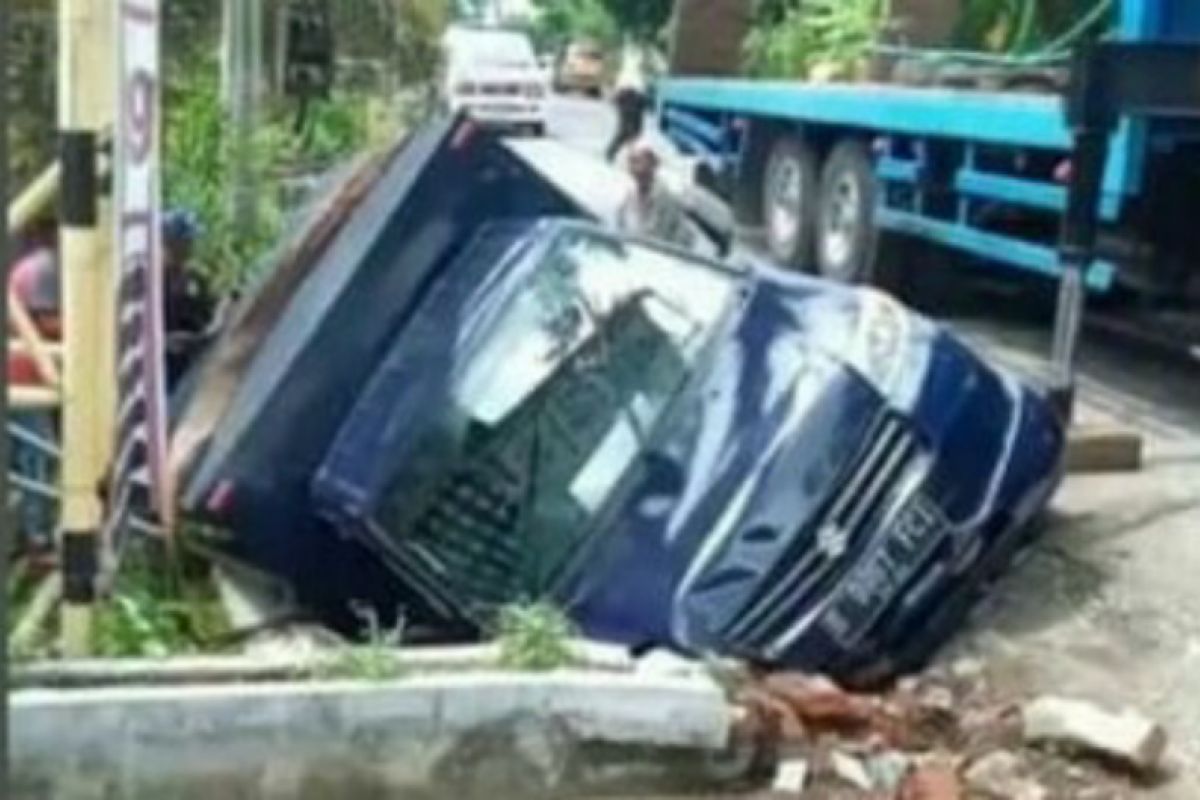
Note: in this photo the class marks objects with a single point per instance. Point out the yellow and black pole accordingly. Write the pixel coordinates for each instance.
(85, 105)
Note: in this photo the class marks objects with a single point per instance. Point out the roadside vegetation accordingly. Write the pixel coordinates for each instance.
(388, 56)
(534, 638)
(374, 659)
(608, 23)
(164, 605)
(837, 38)
(388, 60)
(794, 39)
(561, 21)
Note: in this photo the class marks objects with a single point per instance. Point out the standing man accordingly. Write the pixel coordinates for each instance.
(631, 102)
(650, 210)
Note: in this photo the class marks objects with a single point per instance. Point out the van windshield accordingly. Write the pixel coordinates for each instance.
(540, 425)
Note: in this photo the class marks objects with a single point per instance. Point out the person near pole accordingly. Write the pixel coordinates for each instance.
(649, 209)
(190, 313)
(34, 282)
(632, 104)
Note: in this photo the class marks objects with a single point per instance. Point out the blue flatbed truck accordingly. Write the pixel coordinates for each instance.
(822, 169)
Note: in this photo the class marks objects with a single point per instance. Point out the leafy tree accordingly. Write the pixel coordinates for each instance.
(419, 28)
(559, 21)
(641, 19)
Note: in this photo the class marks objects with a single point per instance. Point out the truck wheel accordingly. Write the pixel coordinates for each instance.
(846, 237)
(789, 189)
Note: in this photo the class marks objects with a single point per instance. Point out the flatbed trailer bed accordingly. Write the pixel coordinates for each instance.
(821, 169)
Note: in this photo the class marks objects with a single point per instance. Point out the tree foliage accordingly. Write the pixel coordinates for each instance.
(419, 28)
(790, 38)
(559, 21)
(643, 20)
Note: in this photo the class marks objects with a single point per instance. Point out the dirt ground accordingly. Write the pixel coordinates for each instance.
(1107, 608)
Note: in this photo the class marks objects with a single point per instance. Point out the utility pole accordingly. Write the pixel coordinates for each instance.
(85, 106)
(241, 87)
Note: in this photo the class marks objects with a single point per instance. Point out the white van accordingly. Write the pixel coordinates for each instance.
(493, 75)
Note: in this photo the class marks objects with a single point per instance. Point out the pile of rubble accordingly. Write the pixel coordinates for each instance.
(944, 736)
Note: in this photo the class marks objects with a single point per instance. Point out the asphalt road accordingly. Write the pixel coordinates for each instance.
(582, 121)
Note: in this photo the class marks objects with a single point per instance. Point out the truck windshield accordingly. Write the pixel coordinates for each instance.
(493, 49)
(548, 416)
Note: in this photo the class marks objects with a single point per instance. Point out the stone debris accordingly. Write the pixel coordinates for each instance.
(791, 777)
(1002, 775)
(968, 669)
(850, 770)
(993, 728)
(818, 702)
(932, 783)
(888, 770)
(944, 735)
(938, 698)
(1126, 737)
(298, 642)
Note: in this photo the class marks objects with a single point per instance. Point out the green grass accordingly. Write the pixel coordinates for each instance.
(162, 605)
(534, 638)
(375, 660)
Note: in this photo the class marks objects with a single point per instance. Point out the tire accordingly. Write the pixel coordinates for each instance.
(846, 238)
(537, 130)
(789, 196)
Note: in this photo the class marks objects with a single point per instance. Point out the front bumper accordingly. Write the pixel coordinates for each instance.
(503, 111)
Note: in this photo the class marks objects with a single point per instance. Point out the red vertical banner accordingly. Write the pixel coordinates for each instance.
(139, 466)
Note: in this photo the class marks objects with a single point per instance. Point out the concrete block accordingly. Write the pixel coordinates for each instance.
(850, 770)
(280, 665)
(1002, 776)
(1126, 737)
(791, 777)
(665, 664)
(259, 740)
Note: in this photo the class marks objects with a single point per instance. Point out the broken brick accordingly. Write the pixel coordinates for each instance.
(932, 783)
(819, 702)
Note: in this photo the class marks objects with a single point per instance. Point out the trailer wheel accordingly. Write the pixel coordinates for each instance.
(846, 236)
(789, 189)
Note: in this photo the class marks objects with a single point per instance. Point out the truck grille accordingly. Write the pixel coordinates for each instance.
(829, 546)
(500, 89)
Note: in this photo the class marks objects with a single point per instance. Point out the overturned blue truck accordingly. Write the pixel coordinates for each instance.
(456, 390)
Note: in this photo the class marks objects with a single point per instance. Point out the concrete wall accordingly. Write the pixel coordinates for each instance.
(450, 736)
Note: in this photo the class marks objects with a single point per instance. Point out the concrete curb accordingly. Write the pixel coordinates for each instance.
(237, 741)
(278, 666)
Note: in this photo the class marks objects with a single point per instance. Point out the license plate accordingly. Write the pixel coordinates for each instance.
(874, 583)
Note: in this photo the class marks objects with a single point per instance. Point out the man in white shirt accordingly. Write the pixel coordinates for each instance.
(650, 210)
